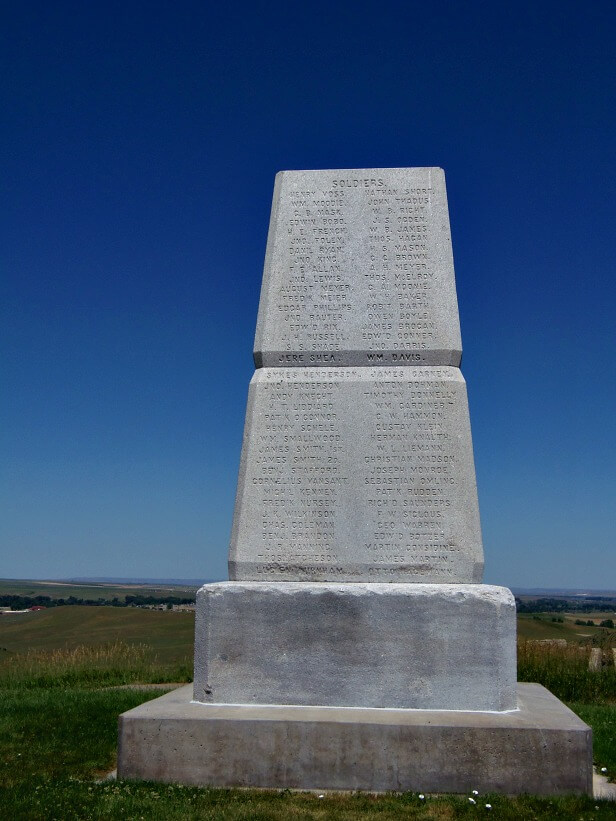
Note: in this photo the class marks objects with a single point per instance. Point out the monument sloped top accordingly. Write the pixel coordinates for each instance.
(358, 271)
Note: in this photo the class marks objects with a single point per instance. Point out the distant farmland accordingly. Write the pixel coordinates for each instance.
(90, 590)
(168, 634)
(542, 626)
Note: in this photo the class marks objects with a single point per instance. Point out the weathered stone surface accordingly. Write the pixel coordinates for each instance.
(357, 474)
(429, 647)
(359, 270)
(542, 748)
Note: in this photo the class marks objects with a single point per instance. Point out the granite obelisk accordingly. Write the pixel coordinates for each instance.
(357, 462)
(355, 646)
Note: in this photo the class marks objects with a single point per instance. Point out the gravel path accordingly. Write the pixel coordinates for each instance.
(601, 787)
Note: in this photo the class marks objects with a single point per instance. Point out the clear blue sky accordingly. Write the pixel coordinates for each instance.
(140, 143)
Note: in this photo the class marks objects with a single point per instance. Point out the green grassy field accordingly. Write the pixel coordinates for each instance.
(58, 725)
(57, 743)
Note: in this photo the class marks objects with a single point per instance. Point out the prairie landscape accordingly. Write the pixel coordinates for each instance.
(67, 672)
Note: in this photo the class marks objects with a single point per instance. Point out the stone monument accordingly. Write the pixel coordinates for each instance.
(355, 646)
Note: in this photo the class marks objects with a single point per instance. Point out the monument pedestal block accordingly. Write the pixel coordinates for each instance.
(541, 748)
(418, 646)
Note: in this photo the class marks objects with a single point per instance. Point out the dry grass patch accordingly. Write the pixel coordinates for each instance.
(108, 664)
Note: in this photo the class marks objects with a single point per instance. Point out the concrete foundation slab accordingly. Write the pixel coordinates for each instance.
(408, 646)
(541, 748)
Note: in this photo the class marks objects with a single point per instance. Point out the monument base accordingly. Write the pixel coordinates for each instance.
(400, 646)
(542, 748)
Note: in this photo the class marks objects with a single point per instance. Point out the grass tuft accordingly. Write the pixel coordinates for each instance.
(564, 670)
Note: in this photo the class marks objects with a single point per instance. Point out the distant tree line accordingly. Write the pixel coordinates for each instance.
(25, 602)
(590, 604)
(589, 623)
